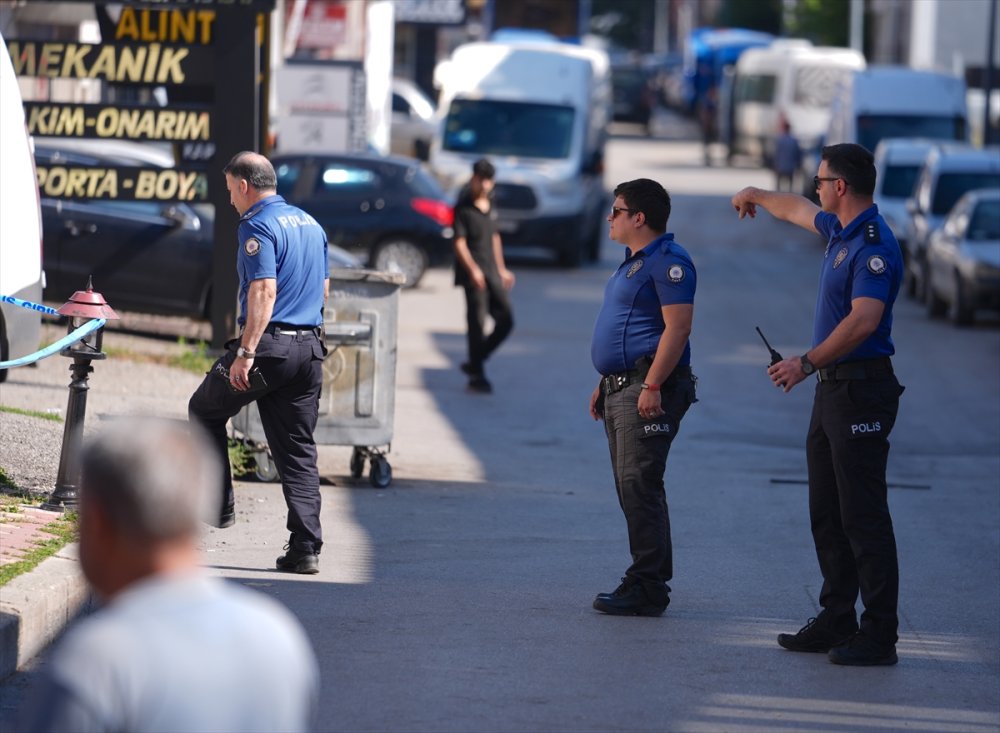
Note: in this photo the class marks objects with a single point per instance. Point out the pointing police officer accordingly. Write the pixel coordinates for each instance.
(640, 347)
(854, 409)
(277, 360)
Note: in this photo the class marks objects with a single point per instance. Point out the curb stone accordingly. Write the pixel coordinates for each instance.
(35, 607)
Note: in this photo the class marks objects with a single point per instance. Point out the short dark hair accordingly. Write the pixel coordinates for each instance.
(254, 168)
(854, 163)
(483, 168)
(650, 198)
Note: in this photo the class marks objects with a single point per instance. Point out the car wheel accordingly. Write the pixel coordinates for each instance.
(960, 312)
(936, 307)
(403, 256)
(920, 276)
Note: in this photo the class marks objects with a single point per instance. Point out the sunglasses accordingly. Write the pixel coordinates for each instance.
(817, 180)
(616, 209)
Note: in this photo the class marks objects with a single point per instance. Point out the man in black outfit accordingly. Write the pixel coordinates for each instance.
(480, 269)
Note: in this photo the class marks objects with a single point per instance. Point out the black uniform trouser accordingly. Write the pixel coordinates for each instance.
(847, 449)
(639, 449)
(494, 301)
(292, 365)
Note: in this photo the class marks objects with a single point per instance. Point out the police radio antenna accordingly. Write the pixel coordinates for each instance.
(775, 356)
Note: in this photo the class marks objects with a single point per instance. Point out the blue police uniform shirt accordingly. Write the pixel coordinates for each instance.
(280, 241)
(630, 322)
(862, 260)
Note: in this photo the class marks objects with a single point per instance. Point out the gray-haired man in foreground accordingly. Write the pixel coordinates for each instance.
(172, 648)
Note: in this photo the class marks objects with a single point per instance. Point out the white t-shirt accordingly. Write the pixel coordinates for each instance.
(180, 653)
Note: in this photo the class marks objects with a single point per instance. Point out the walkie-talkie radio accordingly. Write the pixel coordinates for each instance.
(775, 356)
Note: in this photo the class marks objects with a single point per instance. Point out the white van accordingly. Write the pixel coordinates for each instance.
(790, 79)
(20, 223)
(896, 101)
(539, 112)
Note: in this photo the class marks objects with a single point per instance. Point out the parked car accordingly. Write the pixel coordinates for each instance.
(413, 121)
(963, 258)
(897, 162)
(144, 256)
(949, 171)
(633, 93)
(387, 211)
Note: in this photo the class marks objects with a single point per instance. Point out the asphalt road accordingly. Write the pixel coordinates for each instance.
(458, 598)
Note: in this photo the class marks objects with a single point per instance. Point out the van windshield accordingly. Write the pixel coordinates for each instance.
(872, 128)
(521, 129)
(951, 186)
(898, 180)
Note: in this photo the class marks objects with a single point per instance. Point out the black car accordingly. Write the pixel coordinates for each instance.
(144, 256)
(633, 94)
(388, 211)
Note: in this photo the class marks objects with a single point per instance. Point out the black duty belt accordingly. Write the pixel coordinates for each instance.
(617, 382)
(879, 368)
(286, 329)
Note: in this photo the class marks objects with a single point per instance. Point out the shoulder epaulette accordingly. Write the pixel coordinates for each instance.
(872, 235)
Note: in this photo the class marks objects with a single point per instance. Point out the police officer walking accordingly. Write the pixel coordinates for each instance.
(277, 360)
(641, 349)
(854, 409)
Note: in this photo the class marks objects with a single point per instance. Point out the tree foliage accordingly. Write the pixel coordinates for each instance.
(755, 15)
(824, 22)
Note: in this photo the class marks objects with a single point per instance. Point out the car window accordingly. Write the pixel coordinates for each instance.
(338, 178)
(985, 222)
(109, 207)
(898, 180)
(493, 127)
(421, 183)
(951, 186)
(288, 176)
(872, 128)
(399, 104)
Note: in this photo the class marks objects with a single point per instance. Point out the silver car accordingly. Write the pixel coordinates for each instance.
(963, 258)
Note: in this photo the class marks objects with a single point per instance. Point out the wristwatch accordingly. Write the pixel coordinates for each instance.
(244, 354)
(807, 366)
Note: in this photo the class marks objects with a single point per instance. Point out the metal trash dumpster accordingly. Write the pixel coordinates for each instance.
(358, 401)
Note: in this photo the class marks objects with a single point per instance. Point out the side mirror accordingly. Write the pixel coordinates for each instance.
(911, 206)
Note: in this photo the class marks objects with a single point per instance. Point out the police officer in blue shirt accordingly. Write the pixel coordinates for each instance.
(854, 409)
(278, 358)
(641, 350)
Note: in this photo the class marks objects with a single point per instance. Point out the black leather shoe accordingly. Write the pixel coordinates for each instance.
(632, 599)
(298, 561)
(617, 592)
(863, 651)
(480, 384)
(820, 634)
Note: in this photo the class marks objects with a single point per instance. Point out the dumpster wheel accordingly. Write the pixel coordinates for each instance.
(381, 472)
(265, 468)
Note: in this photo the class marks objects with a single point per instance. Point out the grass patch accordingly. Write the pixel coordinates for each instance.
(6, 484)
(32, 413)
(63, 531)
(195, 358)
(241, 459)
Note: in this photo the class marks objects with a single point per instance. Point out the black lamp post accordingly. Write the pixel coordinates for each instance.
(84, 305)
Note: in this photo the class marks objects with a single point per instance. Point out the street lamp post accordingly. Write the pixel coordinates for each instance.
(83, 306)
